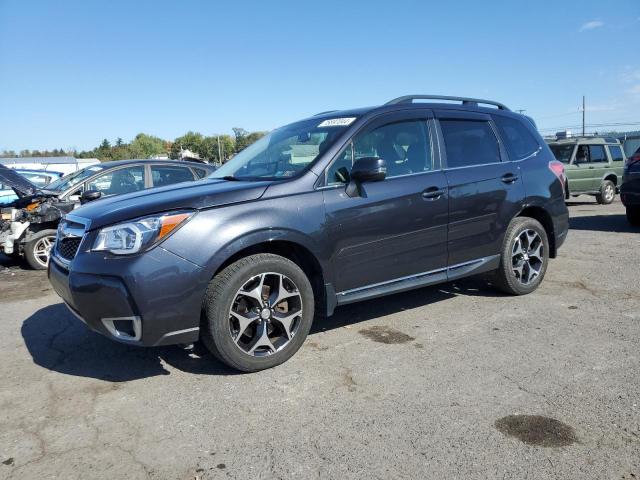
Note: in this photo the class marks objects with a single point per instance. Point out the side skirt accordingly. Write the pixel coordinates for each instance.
(411, 282)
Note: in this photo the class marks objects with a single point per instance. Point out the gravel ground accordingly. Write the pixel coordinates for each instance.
(454, 381)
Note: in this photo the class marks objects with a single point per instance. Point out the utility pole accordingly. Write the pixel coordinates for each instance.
(521, 111)
(583, 109)
(219, 151)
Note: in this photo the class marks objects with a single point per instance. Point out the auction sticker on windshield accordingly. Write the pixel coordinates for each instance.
(337, 122)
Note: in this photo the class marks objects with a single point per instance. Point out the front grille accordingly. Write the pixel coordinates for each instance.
(70, 234)
(68, 247)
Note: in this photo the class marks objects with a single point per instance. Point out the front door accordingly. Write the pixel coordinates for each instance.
(396, 227)
(485, 189)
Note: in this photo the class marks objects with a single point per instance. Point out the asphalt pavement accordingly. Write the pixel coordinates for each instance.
(451, 381)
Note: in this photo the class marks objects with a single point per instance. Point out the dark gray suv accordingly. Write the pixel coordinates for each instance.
(338, 208)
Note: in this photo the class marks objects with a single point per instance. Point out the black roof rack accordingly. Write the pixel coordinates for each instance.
(322, 113)
(464, 100)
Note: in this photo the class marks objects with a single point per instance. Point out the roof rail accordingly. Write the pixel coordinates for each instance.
(464, 100)
(322, 113)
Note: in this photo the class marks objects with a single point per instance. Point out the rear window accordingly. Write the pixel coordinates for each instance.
(518, 140)
(616, 153)
(562, 152)
(469, 142)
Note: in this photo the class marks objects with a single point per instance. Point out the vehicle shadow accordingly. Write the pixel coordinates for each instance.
(59, 342)
(602, 223)
(379, 307)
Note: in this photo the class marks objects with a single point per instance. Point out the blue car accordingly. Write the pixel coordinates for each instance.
(39, 178)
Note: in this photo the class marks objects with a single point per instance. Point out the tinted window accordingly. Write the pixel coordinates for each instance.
(469, 142)
(616, 153)
(200, 172)
(518, 140)
(596, 154)
(168, 175)
(116, 182)
(562, 152)
(404, 146)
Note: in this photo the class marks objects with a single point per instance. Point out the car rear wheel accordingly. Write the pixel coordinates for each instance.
(524, 257)
(38, 249)
(257, 312)
(633, 215)
(607, 193)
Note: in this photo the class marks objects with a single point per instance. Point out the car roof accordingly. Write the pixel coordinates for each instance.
(434, 105)
(118, 163)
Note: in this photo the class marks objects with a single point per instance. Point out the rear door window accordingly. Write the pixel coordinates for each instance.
(163, 175)
(597, 154)
(469, 143)
(517, 138)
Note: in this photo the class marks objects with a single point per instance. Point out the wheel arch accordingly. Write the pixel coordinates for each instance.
(542, 215)
(287, 244)
(611, 177)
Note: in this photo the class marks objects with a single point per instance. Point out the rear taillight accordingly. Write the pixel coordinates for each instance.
(558, 170)
(633, 159)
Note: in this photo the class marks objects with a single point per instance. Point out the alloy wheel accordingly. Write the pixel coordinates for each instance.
(609, 192)
(527, 256)
(265, 314)
(42, 249)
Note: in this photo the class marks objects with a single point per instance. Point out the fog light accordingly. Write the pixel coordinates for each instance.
(128, 329)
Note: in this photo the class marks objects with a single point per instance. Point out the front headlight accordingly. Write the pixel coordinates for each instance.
(139, 235)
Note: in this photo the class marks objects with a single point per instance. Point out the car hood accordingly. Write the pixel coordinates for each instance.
(17, 182)
(196, 195)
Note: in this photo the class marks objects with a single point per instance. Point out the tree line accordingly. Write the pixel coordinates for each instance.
(215, 148)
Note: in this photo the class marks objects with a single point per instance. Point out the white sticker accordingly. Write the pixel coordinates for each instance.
(337, 122)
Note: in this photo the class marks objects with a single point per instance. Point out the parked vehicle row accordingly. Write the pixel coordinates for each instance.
(334, 209)
(29, 222)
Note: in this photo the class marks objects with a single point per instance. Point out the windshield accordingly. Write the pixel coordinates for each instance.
(562, 152)
(73, 178)
(285, 152)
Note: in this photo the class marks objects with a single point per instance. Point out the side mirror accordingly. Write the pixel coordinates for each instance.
(366, 169)
(89, 196)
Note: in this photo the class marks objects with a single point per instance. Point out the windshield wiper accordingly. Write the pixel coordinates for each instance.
(231, 178)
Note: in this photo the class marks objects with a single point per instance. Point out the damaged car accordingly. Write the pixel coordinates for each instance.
(28, 224)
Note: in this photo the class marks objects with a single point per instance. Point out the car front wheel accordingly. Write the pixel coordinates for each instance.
(524, 257)
(257, 312)
(38, 249)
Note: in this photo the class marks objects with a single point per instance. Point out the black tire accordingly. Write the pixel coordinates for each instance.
(221, 295)
(33, 247)
(505, 278)
(633, 215)
(607, 193)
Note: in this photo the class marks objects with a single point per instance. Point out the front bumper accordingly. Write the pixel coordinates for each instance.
(150, 299)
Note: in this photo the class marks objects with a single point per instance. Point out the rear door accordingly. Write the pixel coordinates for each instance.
(397, 227)
(617, 161)
(598, 165)
(485, 189)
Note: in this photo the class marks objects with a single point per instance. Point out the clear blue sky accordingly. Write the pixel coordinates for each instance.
(75, 71)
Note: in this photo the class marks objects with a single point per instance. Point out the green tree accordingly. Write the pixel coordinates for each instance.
(145, 146)
(189, 141)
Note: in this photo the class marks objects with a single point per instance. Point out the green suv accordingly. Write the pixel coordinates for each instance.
(593, 165)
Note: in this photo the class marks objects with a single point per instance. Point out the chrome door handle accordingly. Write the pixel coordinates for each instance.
(433, 193)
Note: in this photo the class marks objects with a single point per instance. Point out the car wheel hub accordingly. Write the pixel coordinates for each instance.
(265, 314)
(527, 256)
